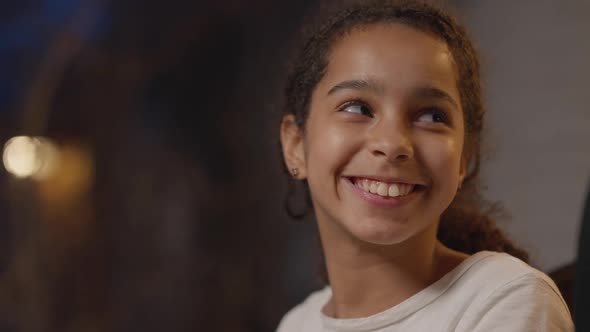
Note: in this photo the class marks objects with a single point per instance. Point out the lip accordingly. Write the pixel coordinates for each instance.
(380, 200)
(385, 179)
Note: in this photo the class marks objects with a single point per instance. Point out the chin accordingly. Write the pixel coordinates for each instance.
(379, 232)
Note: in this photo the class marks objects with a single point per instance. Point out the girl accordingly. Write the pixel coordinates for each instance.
(383, 120)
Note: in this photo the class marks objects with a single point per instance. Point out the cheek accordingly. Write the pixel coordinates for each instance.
(329, 147)
(443, 158)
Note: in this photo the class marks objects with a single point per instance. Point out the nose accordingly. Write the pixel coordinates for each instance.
(390, 139)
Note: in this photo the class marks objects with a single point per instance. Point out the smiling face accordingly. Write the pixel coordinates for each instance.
(382, 146)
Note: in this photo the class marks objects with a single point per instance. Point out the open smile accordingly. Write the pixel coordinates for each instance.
(383, 193)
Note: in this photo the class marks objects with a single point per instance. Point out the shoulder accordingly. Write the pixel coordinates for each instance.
(307, 314)
(513, 296)
(504, 267)
(489, 271)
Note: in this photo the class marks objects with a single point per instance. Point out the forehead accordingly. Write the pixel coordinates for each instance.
(395, 54)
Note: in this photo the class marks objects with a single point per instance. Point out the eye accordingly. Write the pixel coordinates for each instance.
(356, 107)
(433, 114)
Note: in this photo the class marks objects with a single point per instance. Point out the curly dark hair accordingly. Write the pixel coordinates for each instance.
(467, 225)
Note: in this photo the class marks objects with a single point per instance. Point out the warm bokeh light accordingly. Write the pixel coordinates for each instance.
(49, 155)
(20, 156)
(71, 179)
(26, 156)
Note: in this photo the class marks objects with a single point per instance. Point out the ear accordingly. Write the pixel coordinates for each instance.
(292, 143)
(463, 170)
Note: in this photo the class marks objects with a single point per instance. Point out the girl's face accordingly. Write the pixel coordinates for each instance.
(382, 147)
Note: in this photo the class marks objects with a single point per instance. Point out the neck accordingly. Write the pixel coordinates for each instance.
(367, 279)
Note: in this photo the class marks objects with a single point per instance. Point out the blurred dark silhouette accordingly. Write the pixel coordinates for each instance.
(564, 279)
(581, 288)
(169, 216)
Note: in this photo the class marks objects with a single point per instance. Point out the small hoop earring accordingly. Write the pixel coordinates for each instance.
(294, 201)
(294, 172)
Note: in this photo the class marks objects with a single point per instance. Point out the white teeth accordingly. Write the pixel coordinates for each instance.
(382, 189)
(394, 190)
(366, 185)
(403, 189)
(373, 187)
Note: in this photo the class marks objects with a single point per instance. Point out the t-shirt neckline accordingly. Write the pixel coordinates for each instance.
(405, 308)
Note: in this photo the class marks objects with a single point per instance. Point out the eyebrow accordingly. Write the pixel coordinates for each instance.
(432, 92)
(362, 84)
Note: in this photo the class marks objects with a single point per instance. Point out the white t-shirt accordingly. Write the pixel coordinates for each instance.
(488, 292)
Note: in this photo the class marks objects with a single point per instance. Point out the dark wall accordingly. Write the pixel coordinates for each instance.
(183, 227)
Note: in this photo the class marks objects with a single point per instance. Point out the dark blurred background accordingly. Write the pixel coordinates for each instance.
(152, 198)
(165, 212)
